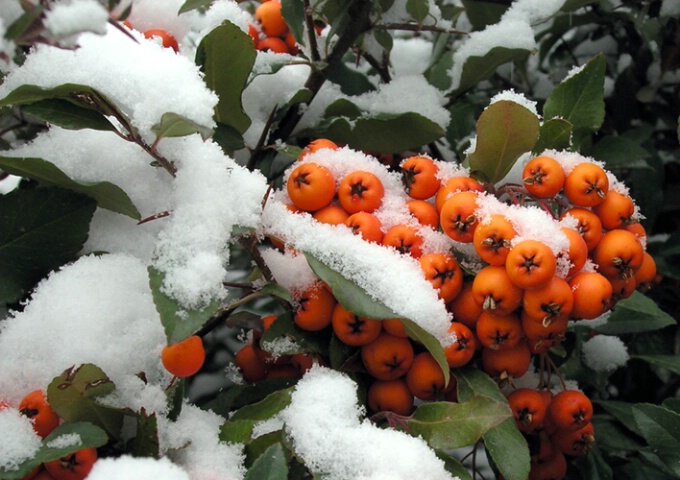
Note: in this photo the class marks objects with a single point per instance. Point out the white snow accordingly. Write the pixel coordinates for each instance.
(18, 441)
(605, 353)
(127, 467)
(68, 17)
(328, 431)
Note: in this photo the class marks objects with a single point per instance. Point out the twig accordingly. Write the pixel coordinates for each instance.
(414, 27)
(311, 32)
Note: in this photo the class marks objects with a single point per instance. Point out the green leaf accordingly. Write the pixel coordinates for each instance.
(271, 465)
(620, 152)
(417, 333)
(175, 125)
(387, 133)
(350, 81)
(479, 68)
(238, 396)
(447, 425)
(189, 5)
(622, 411)
(635, 314)
(67, 114)
(90, 436)
(508, 449)
(24, 22)
(454, 466)
(669, 362)
(108, 195)
(177, 321)
(228, 138)
(580, 98)
(554, 134)
(505, 130)
(40, 230)
(472, 381)
(146, 443)
(418, 9)
(483, 13)
(73, 395)
(226, 56)
(661, 428)
(349, 295)
(293, 12)
(265, 408)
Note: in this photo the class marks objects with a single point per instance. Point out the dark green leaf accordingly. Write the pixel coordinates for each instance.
(382, 133)
(271, 465)
(622, 411)
(256, 447)
(266, 408)
(24, 22)
(580, 98)
(145, 443)
(505, 130)
(189, 5)
(290, 151)
(228, 139)
(672, 403)
(472, 381)
(176, 125)
(349, 295)
(661, 428)
(69, 115)
(669, 362)
(237, 431)
(620, 152)
(508, 449)
(108, 195)
(594, 466)
(175, 394)
(40, 230)
(637, 313)
(418, 9)
(350, 81)
(293, 12)
(177, 321)
(237, 396)
(477, 69)
(417, 333)
(74, 393)
(454, 466)
(554, 134)
(483, 13)
(447, 425)
(246, 320)
(90, 436)
(226, 56)
(613, 436)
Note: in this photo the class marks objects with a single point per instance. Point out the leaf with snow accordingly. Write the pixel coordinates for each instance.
(295, 339)
(108, 195)
(177, 322)
(226, 56)
(40, 230)
(239, 427)
(190, 5)
(505, 131)
(418, 9)
(293, 12)
(58, 444)
(481, 67)
(73, 395)
(555, 134)
(579, 99)
(176, 125)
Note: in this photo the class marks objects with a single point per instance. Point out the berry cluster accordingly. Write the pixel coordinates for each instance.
(75, 466)
(520, 261)
(270, 31)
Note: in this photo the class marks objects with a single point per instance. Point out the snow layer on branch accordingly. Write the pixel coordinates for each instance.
(136, 468)
(192, 441)
(211, 195)
(411, 93)
(325, 424)
(68, 17)
(397, 13)
(97, 310)
(142, 78)
(18, 441)
(605, 353)
(514, 30)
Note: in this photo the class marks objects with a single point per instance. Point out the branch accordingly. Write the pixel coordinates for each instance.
(414, 27)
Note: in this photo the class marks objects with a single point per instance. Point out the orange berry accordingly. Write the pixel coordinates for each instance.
(352, 329)
(453, 185)
(419, 176)
(531, 264)
(250, 363)
(589, 225)
(574, 442)
(570, 410)
(390, 396)
(592, 295)
(543, 177)
(395, 327)
(444, 273)
(492, 239)
(458, 217)
(35, 406)
(75, 466)
(461, 351)
(331, 214)
(495, 292)
(361, 191)
(167, 40)
(405, 239)
(586, 185)
(316, 145)
(507, 363)
(528, 408)
(499, 331)
(387, 357)
(272, 44)
(425, 379)
(615, 211)
(311, 186)
(315, 308)
(185, 358)
(464, 307)
(271, 19)
(367, 225)
(618, 254)
(424, 212)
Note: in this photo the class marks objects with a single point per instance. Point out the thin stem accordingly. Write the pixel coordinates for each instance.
(414, 27)
(554, 368)
(155, 216)
(311, 32)
(252, 161)
(382, 69)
